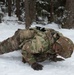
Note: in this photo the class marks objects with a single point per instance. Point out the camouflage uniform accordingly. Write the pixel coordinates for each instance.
(38, 48)
(36, 45)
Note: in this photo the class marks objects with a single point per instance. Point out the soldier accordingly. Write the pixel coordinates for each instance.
(38, 44)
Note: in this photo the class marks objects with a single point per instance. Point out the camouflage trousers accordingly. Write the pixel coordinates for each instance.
(37, 57)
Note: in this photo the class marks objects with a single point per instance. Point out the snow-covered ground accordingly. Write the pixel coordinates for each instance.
(11, 63)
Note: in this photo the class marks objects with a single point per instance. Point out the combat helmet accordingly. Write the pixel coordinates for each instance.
(66, 47)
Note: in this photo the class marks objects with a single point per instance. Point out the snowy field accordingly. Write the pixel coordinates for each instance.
(11, 63)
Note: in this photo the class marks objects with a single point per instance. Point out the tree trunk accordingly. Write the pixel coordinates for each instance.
(18, 9)
(69, 23)
(29, 12)
(9, 7)
(51, 11)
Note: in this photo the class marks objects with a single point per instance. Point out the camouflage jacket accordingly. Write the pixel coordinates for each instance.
(39, 47)
(40, 42)
(37, 41)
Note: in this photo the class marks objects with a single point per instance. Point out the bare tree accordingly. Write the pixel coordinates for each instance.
(29, 12)
(51, 11)
(69, 23)
(9, 7)
(18, 9)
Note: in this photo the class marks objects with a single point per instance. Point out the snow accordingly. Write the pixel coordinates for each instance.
(11, 63)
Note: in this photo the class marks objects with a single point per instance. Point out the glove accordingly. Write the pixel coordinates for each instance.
(59, 59)
(23, 60)
(36, 66)
(41, 29)
(55, 59)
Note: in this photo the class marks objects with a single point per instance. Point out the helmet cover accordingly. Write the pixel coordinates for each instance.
(66, 45)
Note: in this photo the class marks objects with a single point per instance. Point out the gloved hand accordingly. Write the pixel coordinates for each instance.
(36, 66)
(55, 59)
(59, 59)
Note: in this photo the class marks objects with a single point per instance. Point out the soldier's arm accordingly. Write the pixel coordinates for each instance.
(28, 57)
